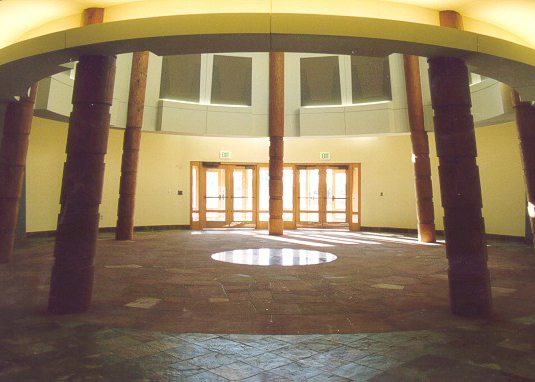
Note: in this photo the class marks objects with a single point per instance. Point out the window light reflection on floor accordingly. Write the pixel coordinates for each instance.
(333, 239)
(385, 237)
(311, 237)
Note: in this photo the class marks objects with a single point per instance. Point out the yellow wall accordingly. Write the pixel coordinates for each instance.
(502, 180)
(386, 167)
(44, 168)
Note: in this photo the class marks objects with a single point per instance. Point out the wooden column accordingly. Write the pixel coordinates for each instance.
(83, 174)
(276, 144)
(420, 151)
(525, 123)
(131, 143)
(17, 127)
(464, 228)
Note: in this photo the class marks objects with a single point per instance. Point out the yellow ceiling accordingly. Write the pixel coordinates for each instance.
(508, 19)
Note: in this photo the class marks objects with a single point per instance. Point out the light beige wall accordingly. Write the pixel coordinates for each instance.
(502, 179)
(44, 168)
(46, 156)
(386, 168)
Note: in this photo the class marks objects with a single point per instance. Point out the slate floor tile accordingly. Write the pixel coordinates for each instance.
(379, 362)
(267, 361)
(236, 371)
(296, 371)
(266, 377)
(356, 372)
(205, 377)
(294, 353)
(212, 360)
(187, 351)
(186, 368)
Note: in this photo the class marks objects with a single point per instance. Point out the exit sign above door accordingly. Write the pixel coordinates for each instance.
(325, 156)
(224, 155)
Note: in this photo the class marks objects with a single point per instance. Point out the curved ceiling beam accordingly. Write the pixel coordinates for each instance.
(23, 63)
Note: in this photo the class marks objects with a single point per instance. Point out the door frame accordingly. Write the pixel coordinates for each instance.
(353, 193)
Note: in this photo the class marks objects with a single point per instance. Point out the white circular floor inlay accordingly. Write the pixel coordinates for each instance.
(274, 256)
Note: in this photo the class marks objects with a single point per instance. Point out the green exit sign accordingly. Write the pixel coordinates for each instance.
(224, 154)
(325, 156)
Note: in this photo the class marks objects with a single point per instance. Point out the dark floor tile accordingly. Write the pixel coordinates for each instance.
(187, 351)
(267, 361)
(297, 371)
(205, 377)
(356, 372)
(236, 371)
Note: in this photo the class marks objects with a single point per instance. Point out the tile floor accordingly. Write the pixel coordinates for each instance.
(164, 310)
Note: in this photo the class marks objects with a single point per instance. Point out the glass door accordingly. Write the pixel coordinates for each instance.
(354, 187)
(323, 194)
(309, 197)
(228, 192)
(336, 189)
(237, 195)
(243, 197)
(216, 209)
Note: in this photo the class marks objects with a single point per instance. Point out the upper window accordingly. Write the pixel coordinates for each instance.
(320, 81)
(476, 78)
(231, 80)
(370, 79)
(181, 77)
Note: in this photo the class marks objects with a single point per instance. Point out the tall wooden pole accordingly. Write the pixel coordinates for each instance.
(276, 141)
(13, 150)
(83, 175)
(460, 188)
(525, 123)
(420, 151)
(131, 144)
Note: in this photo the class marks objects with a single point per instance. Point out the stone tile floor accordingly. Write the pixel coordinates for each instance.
(163, 310)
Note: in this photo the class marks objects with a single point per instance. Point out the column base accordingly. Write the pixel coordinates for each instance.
(470, 294)
(124, 231)
(6, 247)
(426, 233)
(70, 290)
(276, 227)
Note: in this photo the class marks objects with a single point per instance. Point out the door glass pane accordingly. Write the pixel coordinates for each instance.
(312, 217)
(355, 193)
(309, 190)
(263, 189)
(195, 193)
(215, 190)
(336, 189)
(215, 216)
(339, 217)
(243, 189)
(243, 216)
(287, 189)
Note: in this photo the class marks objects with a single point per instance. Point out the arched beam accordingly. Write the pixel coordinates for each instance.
(25, 62)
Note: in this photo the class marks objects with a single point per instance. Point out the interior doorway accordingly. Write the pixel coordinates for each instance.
(236, 195)
(323, 196)
(223, 195)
